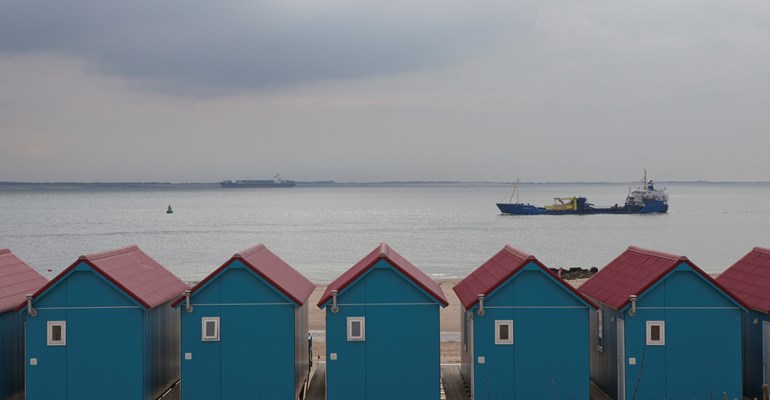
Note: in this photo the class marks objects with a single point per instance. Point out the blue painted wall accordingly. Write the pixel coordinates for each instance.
(108, 342)
(549, 355)
(11, 356)
(400, 357)
(604, 362)
(258, 339)
(753, 353)
(701, 357)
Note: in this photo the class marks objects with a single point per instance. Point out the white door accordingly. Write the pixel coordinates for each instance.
(621, 360)
(766, 351)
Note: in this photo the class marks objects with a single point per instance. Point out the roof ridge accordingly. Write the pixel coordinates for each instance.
(251, 250)
(5, 251)
(758, 249)
(109, 253)
(518, 252)
(657, 253)
(384, 250)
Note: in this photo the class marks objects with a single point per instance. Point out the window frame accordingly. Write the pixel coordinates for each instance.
(217, 335)
(509, 324)
(362, 336)
(49, 333)
(648, 335)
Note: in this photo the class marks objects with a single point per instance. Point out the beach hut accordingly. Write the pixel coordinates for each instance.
(524, 331)
(103, 328)
(749, 280)
(382, 331)
(245, 330)
(664, 329)
(17, 280)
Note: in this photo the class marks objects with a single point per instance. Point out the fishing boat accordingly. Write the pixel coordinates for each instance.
(645, 199)
(276, 182)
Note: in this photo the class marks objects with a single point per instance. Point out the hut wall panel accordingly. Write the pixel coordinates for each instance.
(11, 356)
(301, 349)
(604, 367)
(753, 353)
(201, 376)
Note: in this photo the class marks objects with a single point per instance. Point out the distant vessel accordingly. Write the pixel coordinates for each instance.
(644, 200)
(276, 182)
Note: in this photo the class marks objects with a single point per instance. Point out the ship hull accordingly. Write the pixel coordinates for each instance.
(652, 207)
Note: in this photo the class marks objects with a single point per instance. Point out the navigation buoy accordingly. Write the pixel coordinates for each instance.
(169, 211)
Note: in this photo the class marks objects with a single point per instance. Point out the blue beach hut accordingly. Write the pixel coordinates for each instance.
(524, 331)
(382, 331)
(749, 280)
(245, 330)
(17, 280)
(664, 329)
(103, 329)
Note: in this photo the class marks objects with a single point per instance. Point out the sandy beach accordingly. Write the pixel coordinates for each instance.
(450, 321)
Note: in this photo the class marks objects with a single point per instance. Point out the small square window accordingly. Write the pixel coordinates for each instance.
(57, 333)
(210, 329)
(656, 333)
(504, 332)
(356, 329)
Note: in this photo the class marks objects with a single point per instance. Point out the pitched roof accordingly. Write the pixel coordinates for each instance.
(17, 280)
(749, 279)
(384, 252)
(632, 273)
(134, 272)
(497, 270)
(272, 269)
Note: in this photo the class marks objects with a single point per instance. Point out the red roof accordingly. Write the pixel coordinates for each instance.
(17, 280)
(632, 273)
(134, 272)
(749, 279)
(384, 252)
(272, 269)
(496, 271)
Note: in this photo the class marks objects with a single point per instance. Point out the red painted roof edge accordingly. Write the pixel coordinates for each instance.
(711, 279)
(383, 254)
(757, 249)
(205, 280)
(5, 251)
(527, 258)
(241, 256)
(67, 270)
(754, 250)
(272, 283)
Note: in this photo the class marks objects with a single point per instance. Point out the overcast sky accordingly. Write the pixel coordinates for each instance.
(353, 90)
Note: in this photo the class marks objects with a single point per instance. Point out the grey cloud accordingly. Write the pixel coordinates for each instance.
(235, 45)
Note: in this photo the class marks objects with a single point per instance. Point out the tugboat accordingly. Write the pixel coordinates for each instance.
(646, 199)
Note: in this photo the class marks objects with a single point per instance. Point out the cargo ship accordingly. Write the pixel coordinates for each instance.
(645, 199)
(276, 182)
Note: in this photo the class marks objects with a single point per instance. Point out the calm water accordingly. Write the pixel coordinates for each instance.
(445, 231)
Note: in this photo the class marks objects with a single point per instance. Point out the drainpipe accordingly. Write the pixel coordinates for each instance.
(31, 311)
(187, 305)
(632, 311)
(335, 307)
(481, 311)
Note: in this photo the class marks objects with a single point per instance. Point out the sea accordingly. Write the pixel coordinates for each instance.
(446, 230)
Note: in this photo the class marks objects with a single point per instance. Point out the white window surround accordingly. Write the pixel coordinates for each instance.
(356, 329)
(504, 331)
(659, 329)
(62, 333)
(600, 330)
(211, 335)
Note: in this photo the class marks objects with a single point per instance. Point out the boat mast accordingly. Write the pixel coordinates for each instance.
(516, 190)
